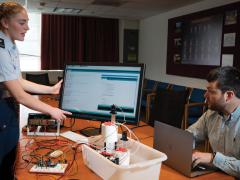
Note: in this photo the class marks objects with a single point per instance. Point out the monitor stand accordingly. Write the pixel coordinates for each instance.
(91, 131)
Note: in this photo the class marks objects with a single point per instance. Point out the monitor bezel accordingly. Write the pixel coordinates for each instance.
(89, 117)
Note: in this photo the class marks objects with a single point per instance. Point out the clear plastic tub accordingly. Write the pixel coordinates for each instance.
(145, 163)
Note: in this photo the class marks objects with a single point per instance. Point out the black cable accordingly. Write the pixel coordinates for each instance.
(89, 127)
(73, 161)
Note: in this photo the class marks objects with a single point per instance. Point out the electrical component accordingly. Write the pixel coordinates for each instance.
(124, 136)
(57, 169)
(113, 113)
(42, 125)
(110, 135)
(110, 145)
(55, 153)
(123, 156)
(110, 131)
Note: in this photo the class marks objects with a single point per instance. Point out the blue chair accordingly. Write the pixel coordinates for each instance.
(149, 86)
(195, 107)
(179, 88)
(163, 85)
(151, 96)
(175, 87)
(169, 107)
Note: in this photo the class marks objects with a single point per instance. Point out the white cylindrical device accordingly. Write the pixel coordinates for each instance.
(110, 135)
(124, 156)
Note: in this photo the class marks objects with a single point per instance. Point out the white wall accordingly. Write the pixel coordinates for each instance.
(153, 43)
(30, 48)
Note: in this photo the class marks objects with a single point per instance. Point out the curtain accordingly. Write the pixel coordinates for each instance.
(61, 41)
(68, 39)
(101, 39)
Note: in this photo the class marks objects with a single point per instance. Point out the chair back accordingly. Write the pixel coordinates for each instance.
(163, 85)
(169, 107)
(195, 106)
(197, 95)
(175, 87)
(149, 85)
(38, 78)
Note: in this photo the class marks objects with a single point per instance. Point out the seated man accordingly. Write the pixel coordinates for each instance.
(221, 123)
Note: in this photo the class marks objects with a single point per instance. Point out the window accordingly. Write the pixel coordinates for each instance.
(30, 48)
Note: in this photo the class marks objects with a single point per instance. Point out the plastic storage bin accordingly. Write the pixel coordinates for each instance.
(145, 163)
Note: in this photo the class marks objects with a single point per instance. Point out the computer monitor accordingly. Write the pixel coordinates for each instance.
(90, 90)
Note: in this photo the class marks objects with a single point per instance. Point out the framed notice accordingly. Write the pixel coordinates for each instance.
(231, 17)
(229, 39)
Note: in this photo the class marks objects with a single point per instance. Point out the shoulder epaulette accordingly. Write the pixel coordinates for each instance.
(2, 44)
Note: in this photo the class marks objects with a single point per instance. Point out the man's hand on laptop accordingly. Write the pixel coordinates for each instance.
(200, 157)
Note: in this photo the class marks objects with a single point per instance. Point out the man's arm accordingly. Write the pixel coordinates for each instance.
(230, 165)
(199, 129)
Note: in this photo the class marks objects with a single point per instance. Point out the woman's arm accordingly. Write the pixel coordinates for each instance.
(26, 99)
(38, 88)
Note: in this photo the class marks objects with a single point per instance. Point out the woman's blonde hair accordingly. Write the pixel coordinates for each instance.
(9, 9)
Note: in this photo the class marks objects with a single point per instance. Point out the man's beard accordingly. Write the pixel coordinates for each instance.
(217, 107)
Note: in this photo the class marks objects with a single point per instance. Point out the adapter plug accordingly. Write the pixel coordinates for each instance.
(55, 153)
(124, 136)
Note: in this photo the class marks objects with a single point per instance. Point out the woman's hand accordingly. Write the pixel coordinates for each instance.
(56, 88)
(59, 114)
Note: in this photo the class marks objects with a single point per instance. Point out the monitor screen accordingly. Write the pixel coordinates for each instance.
(90, 90)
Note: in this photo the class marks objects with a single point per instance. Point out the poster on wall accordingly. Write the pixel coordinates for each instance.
(229, 39)
(201, 42)
(227, 60)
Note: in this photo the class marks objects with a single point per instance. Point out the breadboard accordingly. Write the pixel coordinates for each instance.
(58, 169)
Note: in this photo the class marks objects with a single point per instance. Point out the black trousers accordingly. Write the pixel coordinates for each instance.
(7, 167)
(9, 134)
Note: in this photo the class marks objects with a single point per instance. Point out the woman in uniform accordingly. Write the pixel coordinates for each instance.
(13, 26)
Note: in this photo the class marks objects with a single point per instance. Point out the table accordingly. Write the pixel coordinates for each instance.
(78, 169)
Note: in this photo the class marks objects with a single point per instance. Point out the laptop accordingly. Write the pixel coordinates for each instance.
(177, 144)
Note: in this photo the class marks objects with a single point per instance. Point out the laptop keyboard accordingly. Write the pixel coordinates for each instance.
(203, 167)
(199, 168)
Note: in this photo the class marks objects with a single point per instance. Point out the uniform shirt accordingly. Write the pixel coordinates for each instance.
(9, 70)
(9, 63)
(224, 137)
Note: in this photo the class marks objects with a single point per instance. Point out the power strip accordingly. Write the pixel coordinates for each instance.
(58, 169)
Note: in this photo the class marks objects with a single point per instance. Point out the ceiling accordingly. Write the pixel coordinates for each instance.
(121, 9)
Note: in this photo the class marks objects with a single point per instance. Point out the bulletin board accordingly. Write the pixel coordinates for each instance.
(204, 40)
